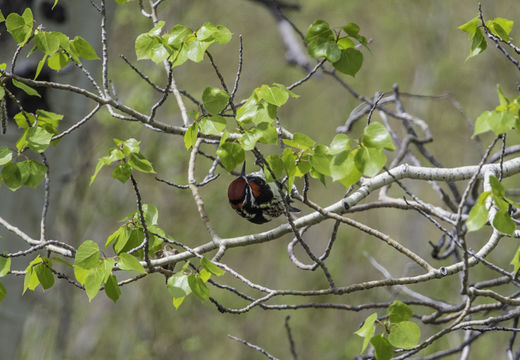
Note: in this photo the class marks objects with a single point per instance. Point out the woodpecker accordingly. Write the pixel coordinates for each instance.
(255, 199)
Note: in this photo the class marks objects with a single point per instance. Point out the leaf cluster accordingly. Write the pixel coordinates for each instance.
(398, 332)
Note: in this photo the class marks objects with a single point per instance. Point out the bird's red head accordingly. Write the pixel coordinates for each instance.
(237, 192)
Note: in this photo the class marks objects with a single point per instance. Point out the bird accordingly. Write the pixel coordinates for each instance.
(255, 199)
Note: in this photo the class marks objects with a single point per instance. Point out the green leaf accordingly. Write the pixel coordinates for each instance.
(471, 26)
(516, 260)
(3, 291)
(31, 279)
(151, 214)
(26, 88)
(321, 41)
(350, 168)
(177, 35)
(277, 166)
(5, 155)
(505, 24)
(198, 287)
(501, 27)
(482, 122)
(231, 155)
(249, 139)
(190, 137)
(497, 189)
(12, 176)
(40, 66)
(404, 335)
(399, 311)
(498, 30)
(138, 162)
(49, 118)
(352, 30)
(369, 161)
(83, 48)
(149, 46)
(205, 275)
(213, 125)
(367, 330)
(24, 120)
(383, 349)
(273, 95)
(177, 302)
(178, 285)
(48, 42)
(214, 100)
(345, 43)
(135, 239)
(122, 172)
(478, 217)
(501, 122)
(25, 171)
(195, 49)
(101, 162)
(300, 141)
(129, 146)
(339, 168)
(253, 111)
(501, 97)
(2, 18)
(93, 281)
(377, 136)
(87, 255)
(32, 172)
(121, 234)
(503, 222)
(478, 44)
(212, 268)
(247, 111)
(205, 32)
(58, 61)
(38, 139)
(112, 288)
(267, 132)
(208, 31)
(483, 197)
(321, 160)
(20, 27)
(222, 35)
(340, 143)
(5, 266)
(349, 62)
(129, 262)
(80, 274)
(44, 275)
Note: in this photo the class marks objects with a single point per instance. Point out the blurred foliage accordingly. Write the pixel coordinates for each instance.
(413, 43)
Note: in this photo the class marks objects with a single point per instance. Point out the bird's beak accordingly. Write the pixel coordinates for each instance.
(243, 173)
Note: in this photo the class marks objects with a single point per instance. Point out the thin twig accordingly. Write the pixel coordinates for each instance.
(45, 198)
(289, 336)
(252, 346)
(195, 192)
(146, 241)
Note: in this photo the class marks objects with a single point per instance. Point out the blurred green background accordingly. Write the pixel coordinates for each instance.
(415, 44)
